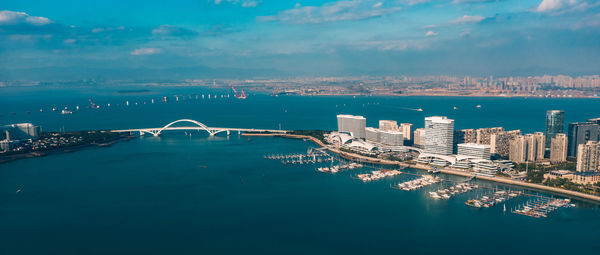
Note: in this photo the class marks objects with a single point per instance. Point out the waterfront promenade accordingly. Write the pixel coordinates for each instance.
(354, 156)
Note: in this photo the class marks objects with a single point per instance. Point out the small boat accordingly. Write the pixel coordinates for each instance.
(478, 106)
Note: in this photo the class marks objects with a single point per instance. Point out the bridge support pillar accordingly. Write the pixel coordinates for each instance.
(141, 133)
(228, 132)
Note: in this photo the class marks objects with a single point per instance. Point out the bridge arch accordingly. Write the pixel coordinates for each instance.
(199, 124)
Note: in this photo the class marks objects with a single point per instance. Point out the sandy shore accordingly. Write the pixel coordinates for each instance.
(353, 156)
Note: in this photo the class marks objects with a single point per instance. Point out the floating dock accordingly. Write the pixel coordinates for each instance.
(541, 206)
(426, 180)
(377, 175)
(490, 200)
(453, 191)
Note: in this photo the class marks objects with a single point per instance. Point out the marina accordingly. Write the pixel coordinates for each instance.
(337, 168)
(541, 206)
(378, 175)
(310, 157)
(415, 184)
(453, 191)
(492, 199)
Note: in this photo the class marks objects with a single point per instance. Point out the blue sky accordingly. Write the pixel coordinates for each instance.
(353, 37)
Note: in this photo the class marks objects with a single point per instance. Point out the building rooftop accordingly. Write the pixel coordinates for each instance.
(350, 116)
(475, 145)
(440, 119)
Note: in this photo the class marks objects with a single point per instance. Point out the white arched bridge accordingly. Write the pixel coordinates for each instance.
(197, 126)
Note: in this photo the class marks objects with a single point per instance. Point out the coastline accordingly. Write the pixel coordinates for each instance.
(446, 170)
(69, 149)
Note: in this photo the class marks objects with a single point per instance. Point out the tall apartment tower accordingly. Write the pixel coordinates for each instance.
(581, 133)
(439, 134)
(500, 142)
(588, 157)
(406, 129)
(518, 149)
(353, 124)
(540, 145)
(558, 148)
(535, 146)
(419, 137)
(465, 136)
(388, 125)
(555, 124)
(484, 134)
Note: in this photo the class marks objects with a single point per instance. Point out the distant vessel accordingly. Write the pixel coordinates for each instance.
(66, 112)
(419, 110)
(455, 107)
(239, 96)
(478, 106)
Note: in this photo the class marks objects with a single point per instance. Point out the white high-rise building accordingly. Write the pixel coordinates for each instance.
(439, 134)
(474, 150)
(406, 129)
(372, 134)
(353, 124)
(419, 137)
(392, 138)
(388, 125)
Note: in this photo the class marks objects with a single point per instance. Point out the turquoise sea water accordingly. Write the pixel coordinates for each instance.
(177, 194)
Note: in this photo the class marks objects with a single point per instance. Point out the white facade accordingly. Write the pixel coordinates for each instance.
(474, 150)
(391, 138)
(372, 134)
(406, 129)
(353, 124)
(388, 125)
(439, 135)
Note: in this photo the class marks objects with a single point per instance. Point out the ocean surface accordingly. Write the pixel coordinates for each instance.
(188, 193)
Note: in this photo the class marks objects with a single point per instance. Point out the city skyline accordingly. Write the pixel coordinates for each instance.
(271, 38)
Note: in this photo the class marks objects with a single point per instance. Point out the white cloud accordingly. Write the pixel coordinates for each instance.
(146, 51)
(431, 33)
(16, 18)
(97, 30)
(562, 6)
(332, 12)
(69, 41)
(249, 4)
(377, 5)
(467, 19)
(243, 3)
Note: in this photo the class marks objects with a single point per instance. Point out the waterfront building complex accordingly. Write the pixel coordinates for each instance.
(419, 137)
(385, 137)
(500, 142)
(484, 134)
(388, 125)
(555, 124)
(581, 133)
(518, 149)
(355, 125)
(529, 147)
(558, 148)
(406, 129)
(439, 134)
(372, 134)
(465, 136)
(391, 138)
(588, 157)
(474, 150)
(20, 131)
